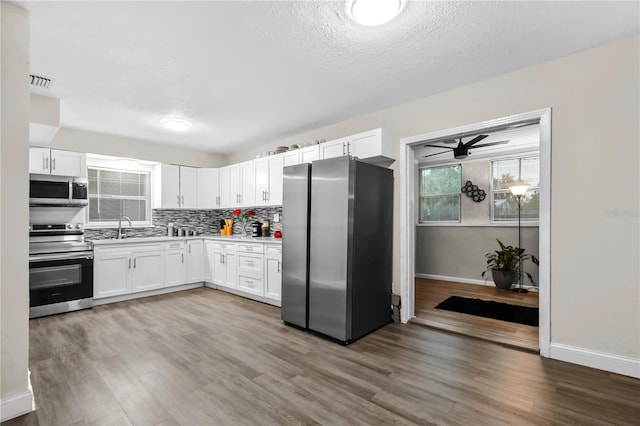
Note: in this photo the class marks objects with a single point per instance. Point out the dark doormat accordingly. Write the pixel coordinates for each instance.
(490, 309)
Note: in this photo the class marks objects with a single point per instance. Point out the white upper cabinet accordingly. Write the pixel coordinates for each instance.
(208, 188)
(334, 148)
(175, 187)
(291, 158)
(56, 162)
(268, 180)
(247, 185)
(373, 146)
(230, 186)
(309, 154)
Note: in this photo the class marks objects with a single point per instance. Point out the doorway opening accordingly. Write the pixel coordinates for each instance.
(454, 239)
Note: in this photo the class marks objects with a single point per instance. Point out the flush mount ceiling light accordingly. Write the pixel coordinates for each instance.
(373, 12)
(176, 124)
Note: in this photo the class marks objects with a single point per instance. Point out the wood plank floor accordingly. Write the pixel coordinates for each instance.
(204, 357)
(430, 293)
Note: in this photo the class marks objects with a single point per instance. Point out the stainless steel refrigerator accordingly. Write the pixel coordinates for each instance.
(337, 223)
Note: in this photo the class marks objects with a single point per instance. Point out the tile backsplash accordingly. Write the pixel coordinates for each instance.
(203, 221)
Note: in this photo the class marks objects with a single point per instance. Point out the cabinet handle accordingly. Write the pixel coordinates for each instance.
(183, 200)
(250, 262)
(348, 148)
(53, 164)
(278, 266)
(266, 195)
(182, 256)
(189, 249)
(217, 200)
(222, 259)
(343, 149)
(44, 163)
(129, 263)
(178, 200)
(134, 262)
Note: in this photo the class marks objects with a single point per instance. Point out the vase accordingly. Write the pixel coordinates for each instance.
(503, 279)
(246, 229)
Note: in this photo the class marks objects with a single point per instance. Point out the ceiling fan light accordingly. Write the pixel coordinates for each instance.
(176, 124)
(373, 12)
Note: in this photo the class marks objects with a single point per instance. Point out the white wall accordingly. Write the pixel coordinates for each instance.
(118, 146)
(14, 212)
(595, 280)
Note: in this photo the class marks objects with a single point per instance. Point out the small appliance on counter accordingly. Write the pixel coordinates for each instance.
(257, 229)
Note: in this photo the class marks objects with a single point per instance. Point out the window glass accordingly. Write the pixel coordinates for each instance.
(113, 194)
(440, 194)
(510, 172)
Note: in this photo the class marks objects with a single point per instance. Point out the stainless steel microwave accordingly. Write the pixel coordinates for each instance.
(50, 190)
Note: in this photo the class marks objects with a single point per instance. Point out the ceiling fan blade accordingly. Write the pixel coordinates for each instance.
(437, 153)
(475, 140)
(440, 146)
(449, 141)
(490, 144)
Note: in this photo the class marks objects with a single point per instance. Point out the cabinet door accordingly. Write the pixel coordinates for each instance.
(274, 192)
(208, 188)
(219, 270)
(309, 154)
(67, 163)
(147, 271)
(365, 145)
(194, 261)
(261, 174)
(169, 186)
(188, 187)
(174, 267)
(208, 261)
(335, 148)
(234, 186)
(247, 187)
(111, 274)
(231, 269)
(225, 187)
(273, 276)
(291, 158)
(39, 160)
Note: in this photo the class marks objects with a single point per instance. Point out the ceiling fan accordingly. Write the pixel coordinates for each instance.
(462, 150)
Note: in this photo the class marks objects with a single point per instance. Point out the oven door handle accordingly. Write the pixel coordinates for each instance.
(61, 256)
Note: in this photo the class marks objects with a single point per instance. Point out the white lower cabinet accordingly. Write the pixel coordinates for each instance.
(130, 269)
(225, 269)
(273, 271)
(194, 254)
(174, 267)
(147, 270)
(252, 269)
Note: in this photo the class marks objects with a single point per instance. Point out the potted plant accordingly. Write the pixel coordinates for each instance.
(243, 219)
(504, 264)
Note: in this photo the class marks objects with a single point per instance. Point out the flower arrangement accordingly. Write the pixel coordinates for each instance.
(242, 217)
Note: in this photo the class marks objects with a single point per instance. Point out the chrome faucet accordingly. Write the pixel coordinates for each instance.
(120, 226)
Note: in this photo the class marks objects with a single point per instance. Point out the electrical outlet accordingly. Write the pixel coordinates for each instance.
(276, 217)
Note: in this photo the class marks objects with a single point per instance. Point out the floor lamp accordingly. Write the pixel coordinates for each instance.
(518, 191)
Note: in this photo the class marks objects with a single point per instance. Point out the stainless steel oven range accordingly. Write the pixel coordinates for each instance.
(60, 269)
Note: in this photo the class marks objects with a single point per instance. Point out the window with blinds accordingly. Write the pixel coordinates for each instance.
(114, 193)
(440, 194)
(509, 172)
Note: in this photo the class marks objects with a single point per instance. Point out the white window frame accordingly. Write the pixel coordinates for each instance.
(511, 222)
(149, 199)
(420, 196)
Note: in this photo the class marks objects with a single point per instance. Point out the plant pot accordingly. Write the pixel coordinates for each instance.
(502, 279)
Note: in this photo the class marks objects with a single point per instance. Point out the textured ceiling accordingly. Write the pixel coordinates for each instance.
(248, 73)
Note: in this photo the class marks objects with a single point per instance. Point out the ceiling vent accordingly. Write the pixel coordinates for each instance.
(39, 81)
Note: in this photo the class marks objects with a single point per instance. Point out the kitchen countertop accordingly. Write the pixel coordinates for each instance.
(239, 238)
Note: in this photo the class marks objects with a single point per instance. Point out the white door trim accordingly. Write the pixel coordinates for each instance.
(408, 216)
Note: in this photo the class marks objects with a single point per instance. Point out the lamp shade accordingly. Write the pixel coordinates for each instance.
(518, 190)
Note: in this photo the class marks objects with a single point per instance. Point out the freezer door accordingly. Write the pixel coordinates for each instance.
(331, 195)
(295, 248)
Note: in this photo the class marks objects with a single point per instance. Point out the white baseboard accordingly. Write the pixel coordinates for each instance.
(464, 280)
(241, 293)
(17, 405)
(602, 361)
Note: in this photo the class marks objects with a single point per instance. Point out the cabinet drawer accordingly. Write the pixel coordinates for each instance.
(250, 263)
(273, 249)
(174, 245)
(250, 248)
(251, 283)
(225, 246)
